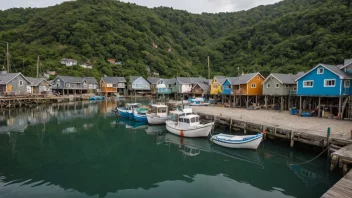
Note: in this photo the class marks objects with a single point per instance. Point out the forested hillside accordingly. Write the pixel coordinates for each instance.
(289, 36)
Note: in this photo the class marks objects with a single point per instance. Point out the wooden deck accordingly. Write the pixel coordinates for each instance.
(342, 189)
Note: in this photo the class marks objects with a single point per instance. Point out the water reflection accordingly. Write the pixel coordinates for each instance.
(96, 155)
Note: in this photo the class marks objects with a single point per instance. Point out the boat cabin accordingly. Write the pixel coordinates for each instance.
(160, 110)
(131, 106)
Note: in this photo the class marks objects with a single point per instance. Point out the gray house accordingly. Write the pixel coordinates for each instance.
(70, 85)
(14, 84)
(38, 85)
(280, 84)
(153, 84)
(92, 83)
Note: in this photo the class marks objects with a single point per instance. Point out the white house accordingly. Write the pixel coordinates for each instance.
(86, 66)
(68, 62)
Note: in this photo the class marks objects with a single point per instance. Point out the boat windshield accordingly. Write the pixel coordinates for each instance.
(162, 110)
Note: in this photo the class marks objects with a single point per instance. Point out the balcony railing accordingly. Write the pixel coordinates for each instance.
(239, 92)
(293, 92)
(164, 91)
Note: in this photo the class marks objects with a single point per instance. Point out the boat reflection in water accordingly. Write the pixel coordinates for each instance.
(130, 124)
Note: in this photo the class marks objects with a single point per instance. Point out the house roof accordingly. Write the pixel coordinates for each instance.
(71, 79)
(244, 79)
(153, 80)
(285, 78)
(68, 59)
(35, 81)
(334, 69)
(220, 79)
(134, 78)
(232, 80)
(112, 80)
(192, 80)
(203, 86)
(91, 80)
(170, 81)
(6, 78)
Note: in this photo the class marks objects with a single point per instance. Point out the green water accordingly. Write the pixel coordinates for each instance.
(83, 150)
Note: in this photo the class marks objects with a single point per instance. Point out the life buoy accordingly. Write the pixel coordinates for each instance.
(182, 134)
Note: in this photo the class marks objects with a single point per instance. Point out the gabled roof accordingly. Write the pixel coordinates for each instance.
(244, 79)
(35, 81)
(220, 79)
(203, 86)
(334, 69)
(153, 80)
(171, 81)
(346, 63)
(6, 78)
(91, 80)
(192, 80)
(285, 78)
(112, 80)
(232, 80)
(134, 78)
(71, 79)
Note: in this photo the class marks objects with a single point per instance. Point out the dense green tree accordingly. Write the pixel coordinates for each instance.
(289, 36)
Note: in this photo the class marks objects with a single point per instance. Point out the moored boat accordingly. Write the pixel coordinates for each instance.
(159, 114)
(198, 102)
(188, 125)
(140, 114)
(236, 141)
(127, 111)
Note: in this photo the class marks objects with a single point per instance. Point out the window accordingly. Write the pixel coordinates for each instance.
(215, 86)
(277, 85)
(180, 119)
(287, 86)
(258, 77)
(67, 84)
(228, 86)
(20, 83)
(320, 70)
(193, 120)
(186, 120)
(347, 83)
(253, 86)
(329, 83)
(308, 83)
(268, 85)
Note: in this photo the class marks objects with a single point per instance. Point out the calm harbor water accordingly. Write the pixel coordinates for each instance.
(82, 150)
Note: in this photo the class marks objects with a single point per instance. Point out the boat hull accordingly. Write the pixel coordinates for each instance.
(201, 131)
(140, 118)
(124, 113)
(155, 120)
(201, 104)
(249, 142)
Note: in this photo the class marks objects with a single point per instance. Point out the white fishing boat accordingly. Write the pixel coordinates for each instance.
(158, 115)
(188, 125)
(236, 141)
(198, 102)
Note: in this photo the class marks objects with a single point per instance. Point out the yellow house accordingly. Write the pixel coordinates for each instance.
(216, 85)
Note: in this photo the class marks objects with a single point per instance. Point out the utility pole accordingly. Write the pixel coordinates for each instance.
(7, 57)
(208, 68)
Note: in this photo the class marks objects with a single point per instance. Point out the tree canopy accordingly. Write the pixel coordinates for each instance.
(289, 36)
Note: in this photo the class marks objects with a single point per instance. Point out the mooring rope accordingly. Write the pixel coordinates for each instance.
(311, 159)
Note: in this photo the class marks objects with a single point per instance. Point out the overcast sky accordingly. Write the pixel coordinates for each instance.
(195, 6)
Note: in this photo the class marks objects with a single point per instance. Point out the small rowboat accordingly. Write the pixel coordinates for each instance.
(235, 141)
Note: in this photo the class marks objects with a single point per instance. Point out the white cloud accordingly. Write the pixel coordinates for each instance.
(194, 6)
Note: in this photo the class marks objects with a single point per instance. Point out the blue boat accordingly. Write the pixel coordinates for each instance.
(96, 97)
(140, 114)
(127, 112)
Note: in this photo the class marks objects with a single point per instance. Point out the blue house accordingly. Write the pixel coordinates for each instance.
(325, 81)
(227, 86)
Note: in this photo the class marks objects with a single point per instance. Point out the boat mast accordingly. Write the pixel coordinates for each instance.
(7, 57)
